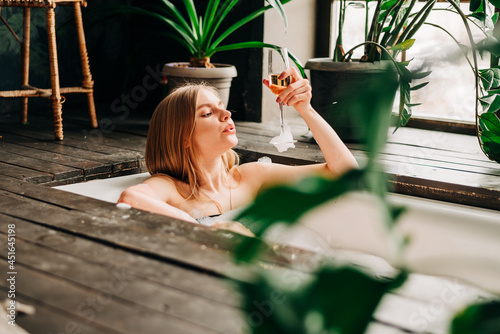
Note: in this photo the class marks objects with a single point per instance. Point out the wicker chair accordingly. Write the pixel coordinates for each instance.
(55, 92)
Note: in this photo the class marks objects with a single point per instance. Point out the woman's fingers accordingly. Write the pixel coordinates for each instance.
(290, 72)
(297, 91)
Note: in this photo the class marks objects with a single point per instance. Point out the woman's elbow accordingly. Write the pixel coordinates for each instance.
(130, 196)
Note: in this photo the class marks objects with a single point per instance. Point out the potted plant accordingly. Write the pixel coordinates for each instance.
(387, 35)
(200, 33)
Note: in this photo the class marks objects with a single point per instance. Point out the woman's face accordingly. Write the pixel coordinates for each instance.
(214, 131)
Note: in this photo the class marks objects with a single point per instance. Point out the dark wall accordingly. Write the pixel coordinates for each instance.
(126, 54)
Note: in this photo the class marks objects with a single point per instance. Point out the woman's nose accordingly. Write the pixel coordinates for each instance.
(226, 114)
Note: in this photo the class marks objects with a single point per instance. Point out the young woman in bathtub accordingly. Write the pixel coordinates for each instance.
(195, 172)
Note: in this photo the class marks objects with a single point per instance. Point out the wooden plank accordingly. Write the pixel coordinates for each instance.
(260, 144)
(466, 195)
(107, 134)
(58, 171)
(121, 284)
(157, 241)
(126, 140)
(55, 147)
(137, 124)
(122, 160)
(79, 138)
(460, 143)
(87, 167)
(436, 149)
(54, 321)
(443, 172)
(196, 283)
(95, 306)
(22, 173)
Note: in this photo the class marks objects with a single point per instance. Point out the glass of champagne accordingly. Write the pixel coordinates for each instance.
(277, 62)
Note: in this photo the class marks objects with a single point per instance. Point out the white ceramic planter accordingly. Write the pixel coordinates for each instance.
(220, 77)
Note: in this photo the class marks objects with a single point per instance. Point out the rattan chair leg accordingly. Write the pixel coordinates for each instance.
(87, 76)
(54, 74)
(25, 61)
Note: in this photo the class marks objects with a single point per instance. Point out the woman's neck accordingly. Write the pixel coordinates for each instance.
(214, 175)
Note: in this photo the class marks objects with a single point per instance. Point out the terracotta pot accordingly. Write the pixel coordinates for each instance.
(220, 77)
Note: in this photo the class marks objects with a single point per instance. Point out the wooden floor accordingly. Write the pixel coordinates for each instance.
(87, 265)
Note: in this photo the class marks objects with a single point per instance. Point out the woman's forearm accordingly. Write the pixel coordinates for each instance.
(142, 201)
(338, 157)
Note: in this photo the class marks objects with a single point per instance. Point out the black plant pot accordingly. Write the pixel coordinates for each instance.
(342, 91)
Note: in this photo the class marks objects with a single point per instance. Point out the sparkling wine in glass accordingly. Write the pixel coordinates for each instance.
(277, 62)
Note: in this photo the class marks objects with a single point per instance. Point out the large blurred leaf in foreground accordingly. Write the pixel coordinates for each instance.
(335, 300)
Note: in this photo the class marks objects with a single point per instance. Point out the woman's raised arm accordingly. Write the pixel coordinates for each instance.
(338, 157)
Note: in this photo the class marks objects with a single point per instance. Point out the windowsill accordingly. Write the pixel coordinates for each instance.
(425, 163)
(439, 124)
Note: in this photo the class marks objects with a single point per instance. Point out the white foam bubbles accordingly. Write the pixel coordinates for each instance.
(265, 161)
(123, 206)
(284, 141)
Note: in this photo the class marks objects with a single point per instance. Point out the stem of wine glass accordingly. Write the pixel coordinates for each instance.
(282, 117)
(284, 56)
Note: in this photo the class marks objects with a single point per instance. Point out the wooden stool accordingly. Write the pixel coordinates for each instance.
(55, 92)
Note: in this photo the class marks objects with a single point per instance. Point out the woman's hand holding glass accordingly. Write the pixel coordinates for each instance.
(297, 94)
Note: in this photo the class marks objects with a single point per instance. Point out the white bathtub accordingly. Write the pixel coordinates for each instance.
(445, 239)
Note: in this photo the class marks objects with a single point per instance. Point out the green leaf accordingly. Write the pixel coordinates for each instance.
(481, 318)
(404, 116)
(419, 86)
(495, 3)
(489, 44)
(219, 18)
(491, 144)
(486, 77)
(490, 103)
(279, 8)
(333, 300)
(490, 122)
(474, 5)
(193, 17)
(386, 5)
(480, 16)
(209, 20)
(494, 18)
(239, 24)
(256, 44)
(406, 45)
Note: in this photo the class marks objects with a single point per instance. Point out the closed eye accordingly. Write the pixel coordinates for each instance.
(208, 114)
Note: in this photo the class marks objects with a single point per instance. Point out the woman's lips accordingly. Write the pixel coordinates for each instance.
(230, 129)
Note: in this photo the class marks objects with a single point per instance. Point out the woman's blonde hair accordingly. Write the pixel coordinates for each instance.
(169, 145)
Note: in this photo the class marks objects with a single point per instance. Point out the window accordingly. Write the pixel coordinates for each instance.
(450, 93)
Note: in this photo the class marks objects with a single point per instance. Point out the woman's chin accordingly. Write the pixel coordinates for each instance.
(235, 141)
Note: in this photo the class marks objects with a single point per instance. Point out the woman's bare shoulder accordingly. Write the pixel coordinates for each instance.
(160, 179)
(164, 186)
